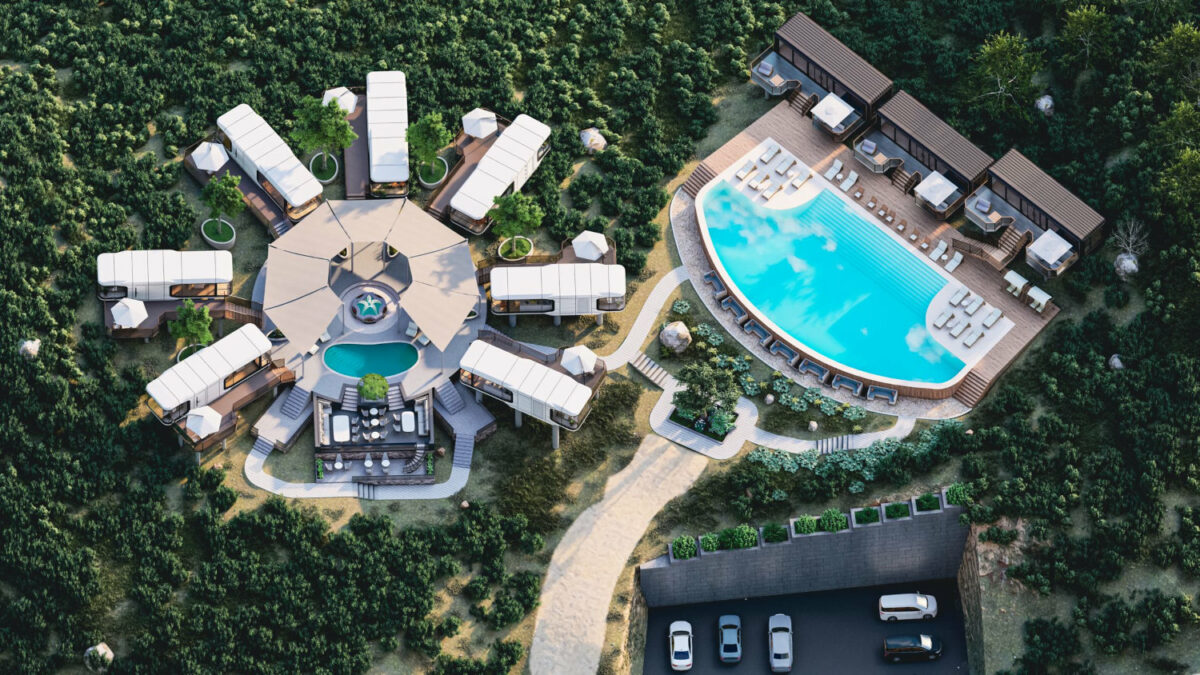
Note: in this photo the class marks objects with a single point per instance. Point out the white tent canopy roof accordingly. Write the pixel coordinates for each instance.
(572, 280)
(259, 143)
(347, 100)
(1015, 279)
(592, 139)
(479, 123)
(209, 156)
(1049, 247)
(133, 269)
(517, 146)
(579, 360)
(590, 245)
(129, 313)
(527, 377)
(1038, 297)
(387, 126)
(832, 110)
(194, 375)
(935, 189)
(203, 421)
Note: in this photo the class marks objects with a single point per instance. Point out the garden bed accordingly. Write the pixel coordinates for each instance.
(515, 248)
(686, 424)
(433, 174)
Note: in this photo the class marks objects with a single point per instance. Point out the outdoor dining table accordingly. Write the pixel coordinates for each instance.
(374, 421)
(374, 435)
(374, 411)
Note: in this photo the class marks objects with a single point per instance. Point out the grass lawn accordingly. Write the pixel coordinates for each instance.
(325, 167)
(218, 230)
(515, 248)
(432, 173)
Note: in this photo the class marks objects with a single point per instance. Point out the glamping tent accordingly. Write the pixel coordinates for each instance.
(204, 376)
(164, 275)
(387, 127)
(507, 164)
(266, 158)
(527, 386)
(570, 289)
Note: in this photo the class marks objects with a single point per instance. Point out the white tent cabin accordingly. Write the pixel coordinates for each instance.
(504, 168)
(269, 162)
(208, 374)
(164, 275)
(387, 132)
(570, 289)
(527, 386)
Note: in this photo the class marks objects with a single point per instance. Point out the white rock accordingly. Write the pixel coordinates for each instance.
(1045, 105)
(769, 399)
(1114, 362)
(675, 336)
(30, 348)
(1126, 264)
(98, 657)
(812, 425)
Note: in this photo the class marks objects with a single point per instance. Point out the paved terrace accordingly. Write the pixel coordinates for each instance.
(795, 133)
(470, 151)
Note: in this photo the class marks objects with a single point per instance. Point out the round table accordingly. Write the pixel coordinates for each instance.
(375, 421)
(374, 411)
(374, 435)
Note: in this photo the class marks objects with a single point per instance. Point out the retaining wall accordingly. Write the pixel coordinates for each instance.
(926, 545)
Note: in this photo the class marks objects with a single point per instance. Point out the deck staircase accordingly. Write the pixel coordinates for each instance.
(262, 446)
(972, 389)
(280, 227)
(417, 461)
(448, 394)
(394, 398)
(827, 446)
(801, 102)
(699, 178)
(905, 181)
(650, 369)
(365, 490)
(349, 397)
(296, 401)
(464, 449)
(999, 256)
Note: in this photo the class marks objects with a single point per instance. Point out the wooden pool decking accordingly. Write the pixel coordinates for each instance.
(796, 134)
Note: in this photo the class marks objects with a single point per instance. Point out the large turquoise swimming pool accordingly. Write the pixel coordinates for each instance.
(356, 360)
(836, 282)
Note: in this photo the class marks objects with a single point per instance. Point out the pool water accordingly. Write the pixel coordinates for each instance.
(356, 360)
(834, 281)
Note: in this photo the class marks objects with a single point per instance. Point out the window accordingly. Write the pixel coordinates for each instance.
(232, 379)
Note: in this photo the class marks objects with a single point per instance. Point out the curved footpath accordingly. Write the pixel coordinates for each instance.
(258, 477)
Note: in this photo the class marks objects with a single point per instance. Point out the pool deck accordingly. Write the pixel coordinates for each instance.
(796, 134)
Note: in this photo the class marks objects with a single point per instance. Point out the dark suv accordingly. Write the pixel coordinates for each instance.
(911, 648)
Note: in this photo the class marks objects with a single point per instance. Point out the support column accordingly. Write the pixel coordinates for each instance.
(554, 436)
(478, 396)
(512, 320)
(600, 319)
(518, 419)
(557, 320)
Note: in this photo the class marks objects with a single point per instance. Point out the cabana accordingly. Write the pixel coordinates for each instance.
(833, 113)
(206, 375)
(1015, 283)
(937, 193)
(269, 162)
(164, 275)
(387, 129)
(505, 167)
(571, 289)
(1050, 254)
(1038, 299)
(526, 385)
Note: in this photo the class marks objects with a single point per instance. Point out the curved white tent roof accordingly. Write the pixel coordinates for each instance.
(203, 421)
(128, 313)
(347, 100)
(200, 377)
(1049, 247)
(149, 275)
(574, 286)
(935, 189)
(387, 126)
(579, 360)
(257, 148)
(509, 161)
(526, 379)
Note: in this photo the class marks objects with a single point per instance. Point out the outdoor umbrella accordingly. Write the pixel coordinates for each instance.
(590, 245)
(479, 123)
(579, 360)
(210, 156)
(203, 421)
(347, 100)
(129, 313)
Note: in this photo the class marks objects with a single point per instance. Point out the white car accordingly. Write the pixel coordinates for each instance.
(779, 642)
(907, 607)
(679, 644)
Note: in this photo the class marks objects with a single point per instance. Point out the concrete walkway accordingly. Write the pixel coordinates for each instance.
(644, 323)
(571, 621)
(258, 477)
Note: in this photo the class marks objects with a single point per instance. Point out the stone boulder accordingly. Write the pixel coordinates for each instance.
(1114, 362)
(675, 336)
(1126, 265)
(812, 425)
(30, 348)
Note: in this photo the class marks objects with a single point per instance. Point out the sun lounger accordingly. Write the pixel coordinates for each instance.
(422, 339)
(843, 382)
(746, 171)
(973, 338)
(943, 318)
(753, 327)
(785, 351)
(770, 153)
(937, 252)
(974, 306)
(412, 329)
(785, 165)
(833, 170)
(799, 182)
(959, 328)
(955, 261)
(958, 296)
(874, 392)
(731, 305)
(773, 191)
(992, 317)
(872, 202)
(849, 182)
(807, 366)
(762, 184)
(901, 225)
(718, 286)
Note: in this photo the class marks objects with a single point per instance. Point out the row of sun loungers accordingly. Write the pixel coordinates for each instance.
(970, 305)
(874, 392)
(730, 305)
(718, 286)
(849, 182)
(764, 336)
(839, 381)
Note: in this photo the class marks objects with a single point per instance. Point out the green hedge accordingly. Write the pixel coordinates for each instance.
(958, 494)
(709, 542)
(928, 502)
(805, 525)
(834, 521)
(898, 510)
(773, 533)
(866, 516)
(741, 536)
(684, 547)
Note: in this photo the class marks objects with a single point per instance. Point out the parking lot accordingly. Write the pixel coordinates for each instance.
(834, 632)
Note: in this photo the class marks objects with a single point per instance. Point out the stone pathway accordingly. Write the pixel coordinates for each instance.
(632, 345)
(571, 621)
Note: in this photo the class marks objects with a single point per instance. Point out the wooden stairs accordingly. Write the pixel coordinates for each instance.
(801, 102)
(905, 181)
(699, 178)
(972, 389)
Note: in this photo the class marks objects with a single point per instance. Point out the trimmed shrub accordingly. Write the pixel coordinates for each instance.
(773, 533)
(958, 494)
(684, 547)
(805, 525)
(900, 510)
(681, 306)
(372, 387)
(222, 499)
(866, 516)
(741, 536)
(833, 521)
(998, 535)
(709, 542)
(928, 502)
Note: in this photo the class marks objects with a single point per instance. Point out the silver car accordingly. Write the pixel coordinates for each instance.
(779, 642)
(729, 632)
(679, 645)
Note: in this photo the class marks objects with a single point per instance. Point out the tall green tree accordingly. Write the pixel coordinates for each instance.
(1175, 58)
(222, 197)
(322, 128)
(193, 324)
(426, 136)
(1002, 75)
(704, 388)
(515, 215)
(1087, 35)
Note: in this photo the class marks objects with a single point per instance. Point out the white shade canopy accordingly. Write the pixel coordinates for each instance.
(592, 139)
(203, 421)
(209, 156)
(536, 388)
(1049, 247)
(579, 360)
(258, 149)
(480, 123)
(508, 163)
(128, 313)
(935, 189)
(346, 99)
(387, 126)
(832, 110)
(590, 245)
(1014, 279)
(1037, 297)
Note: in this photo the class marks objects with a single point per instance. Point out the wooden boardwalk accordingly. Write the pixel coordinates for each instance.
(795, 133)
(357, 169)
(470, 151)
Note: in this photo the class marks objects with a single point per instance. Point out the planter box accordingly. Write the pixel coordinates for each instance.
(854, 524)
(946, 505)
(312, 161)
(445, 172)
(673, 559)
(219, 245)
(793, 534)
(849, 527)
(889, 519)
(918, 512)
(762, 540)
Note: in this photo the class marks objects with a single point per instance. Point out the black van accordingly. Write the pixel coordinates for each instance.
(911, 648)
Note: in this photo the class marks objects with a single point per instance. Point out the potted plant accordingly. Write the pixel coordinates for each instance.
(927, 503)
(803, 525)
(425, 137)
(325, 129)
(833, 521)
(897, 511)
(515, 215)
(773, 533)
(222, 196)
(193, 325)
(682, 548)
(738, 537)
(372, 388)
(709, 543)
(868, 515)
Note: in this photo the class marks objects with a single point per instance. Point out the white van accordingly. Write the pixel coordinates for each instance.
(906, 607)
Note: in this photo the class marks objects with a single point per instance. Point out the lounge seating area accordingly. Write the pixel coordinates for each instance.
(730, 305)
(718, 286)
(785, 351)
(848, 383)
(877, 392)
(811, 368)
(754, 328)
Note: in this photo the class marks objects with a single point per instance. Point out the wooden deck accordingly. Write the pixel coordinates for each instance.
(160, 312)
(470, 151)
(261, 205)
(243, 394)
(357, 169)
(796, 134)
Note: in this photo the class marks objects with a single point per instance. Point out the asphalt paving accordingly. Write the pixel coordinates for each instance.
(833, 632)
